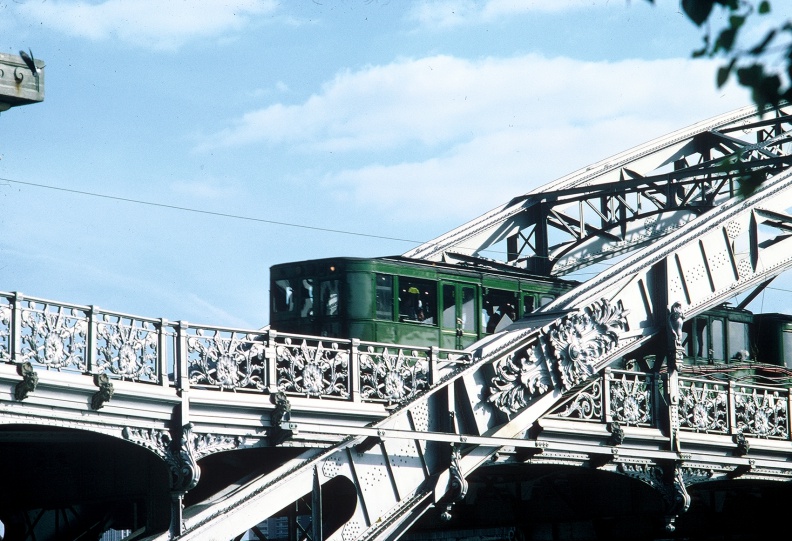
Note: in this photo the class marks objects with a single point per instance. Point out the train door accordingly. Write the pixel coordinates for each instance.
(459, 317)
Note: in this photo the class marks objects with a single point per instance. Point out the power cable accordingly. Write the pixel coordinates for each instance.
(209, 212)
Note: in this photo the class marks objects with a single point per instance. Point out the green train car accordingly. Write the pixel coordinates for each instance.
(403, 301)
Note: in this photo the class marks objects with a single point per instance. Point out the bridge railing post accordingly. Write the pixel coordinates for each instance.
(434, 365)
(16, 327)
(90, 345)
(162, 354)
(788, 420)
(354, 369)
(181, 372)
(271, 362)
(732, 410)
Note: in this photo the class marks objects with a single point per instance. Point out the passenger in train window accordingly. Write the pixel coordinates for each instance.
(507, 316)
(493, 320)
(307, 308)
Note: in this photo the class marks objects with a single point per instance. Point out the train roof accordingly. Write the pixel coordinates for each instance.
(465, 264)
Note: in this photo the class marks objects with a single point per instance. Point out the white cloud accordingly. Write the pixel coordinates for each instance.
(495, 127)
(443, 100)
(148, 23)
(208, 189)
(449, 13)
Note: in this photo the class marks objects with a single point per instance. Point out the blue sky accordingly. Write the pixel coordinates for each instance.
(304, 129)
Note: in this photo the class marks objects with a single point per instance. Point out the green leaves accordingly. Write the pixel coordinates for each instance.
(697, 11)
(750, 65)
(748, 180)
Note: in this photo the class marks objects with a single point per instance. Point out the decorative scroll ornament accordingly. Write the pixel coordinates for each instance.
(580, 340)
(617, 433)
(281, 414)
(282, 411)
(671, 486)
(703, 407)
(390, 377)
(28, 383)
(517, 381)
(630, 400)
(677, 499)
(105, 392)
(5, 332)
(761, 413)
(457, 484)
(743, 446)
(54, 339)
(577, 343)
(183, 462)
(676, 318)
(182, 454)
(127, 351)
(157, 441)
(586, 404)
(313, 371)
(229, 363)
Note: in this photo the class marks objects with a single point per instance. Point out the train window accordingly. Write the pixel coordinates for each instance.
(738, 340)
(469, 309)
(384, 296)
(786, 356)
(717, 339)
(283, 295)
(545, 299)
(497, 303)
(699, 347)
(528, 304)
(328, 297)
(306, 298)
(417, 300)
(449, 306)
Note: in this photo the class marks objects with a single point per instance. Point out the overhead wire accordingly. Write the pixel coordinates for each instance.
(208, 212)
(212, 213)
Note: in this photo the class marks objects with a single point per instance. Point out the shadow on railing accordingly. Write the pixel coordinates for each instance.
(709, 406)
(43, 334)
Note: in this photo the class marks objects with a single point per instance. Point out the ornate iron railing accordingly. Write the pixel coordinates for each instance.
(728, 407)
(62, 337)
(704, 405)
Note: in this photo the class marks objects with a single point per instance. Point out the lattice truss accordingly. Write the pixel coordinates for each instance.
(625, 202)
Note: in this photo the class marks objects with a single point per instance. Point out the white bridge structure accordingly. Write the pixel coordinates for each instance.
(580, 421)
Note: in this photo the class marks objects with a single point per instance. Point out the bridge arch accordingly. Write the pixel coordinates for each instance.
(58, 481)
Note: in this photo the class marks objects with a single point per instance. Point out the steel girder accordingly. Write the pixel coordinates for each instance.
(627, 201)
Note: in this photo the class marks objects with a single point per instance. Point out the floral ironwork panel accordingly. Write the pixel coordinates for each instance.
(703, 407)
(126, 348)
(580, 340)
(393, 377)
(585, 405)
(630, 399)
(229, 360)
(761, 413)
(518, 379)
(313, 370)
(5, 330)
(54, 336)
